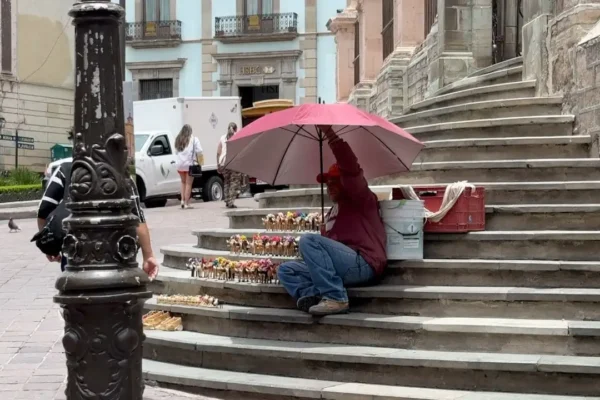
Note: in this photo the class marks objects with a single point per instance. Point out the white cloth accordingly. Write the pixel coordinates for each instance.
(223, 157)
(453, 192)
(186, 158)
(330, 218)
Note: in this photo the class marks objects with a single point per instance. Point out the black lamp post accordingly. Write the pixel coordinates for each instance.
(102, 291)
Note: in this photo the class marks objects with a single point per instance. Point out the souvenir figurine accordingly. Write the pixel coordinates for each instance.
(270, 222)
(208, 269)
(264, 267)
(296, 247)
(245, 244)
(288, 246)
(258, 246)
(252, 271)
(240, 271)
(280, 224)
(234, 244)
(275, 245)
(290, 221)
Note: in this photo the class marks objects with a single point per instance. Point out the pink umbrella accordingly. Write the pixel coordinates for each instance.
(286, 147)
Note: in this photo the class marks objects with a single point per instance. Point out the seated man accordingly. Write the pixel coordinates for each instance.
(351, 250)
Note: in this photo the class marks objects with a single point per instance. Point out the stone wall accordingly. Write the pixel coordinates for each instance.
(585, 97)
(39, 112)
(417, 79)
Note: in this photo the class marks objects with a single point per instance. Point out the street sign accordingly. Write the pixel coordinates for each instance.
(22, 139)
(26, 146)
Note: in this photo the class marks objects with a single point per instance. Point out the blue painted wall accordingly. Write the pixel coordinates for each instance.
(189, 13)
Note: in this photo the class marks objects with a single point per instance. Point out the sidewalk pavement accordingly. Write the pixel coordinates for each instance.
(32, 361)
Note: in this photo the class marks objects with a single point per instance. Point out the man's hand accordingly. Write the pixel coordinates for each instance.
(151, 267)
(53, 258)
(328, 132)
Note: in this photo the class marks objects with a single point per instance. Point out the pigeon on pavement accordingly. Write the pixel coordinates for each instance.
(12, 226)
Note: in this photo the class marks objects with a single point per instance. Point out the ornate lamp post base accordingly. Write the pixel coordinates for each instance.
(102, 291)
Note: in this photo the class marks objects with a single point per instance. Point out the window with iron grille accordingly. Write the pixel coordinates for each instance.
(6, 35)
(387, 34)
(356, 53)
(151, 89)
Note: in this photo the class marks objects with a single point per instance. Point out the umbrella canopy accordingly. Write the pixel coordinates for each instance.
(285, 147)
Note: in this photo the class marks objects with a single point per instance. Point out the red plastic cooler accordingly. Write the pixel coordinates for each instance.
(468, 214)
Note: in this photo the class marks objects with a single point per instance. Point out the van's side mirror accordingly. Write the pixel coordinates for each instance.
(157, 150)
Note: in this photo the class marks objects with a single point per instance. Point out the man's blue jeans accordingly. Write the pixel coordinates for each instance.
(327, 268)
(63, 263)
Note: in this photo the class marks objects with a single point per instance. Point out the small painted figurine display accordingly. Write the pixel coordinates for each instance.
(195, 301)
(293, 221)
(161, 321)
(250, 271)
(264, 245)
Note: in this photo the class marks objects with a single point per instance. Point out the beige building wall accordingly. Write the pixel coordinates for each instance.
(36, 96)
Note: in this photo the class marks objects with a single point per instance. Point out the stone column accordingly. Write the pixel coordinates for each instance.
(464, 41)
(536, 19)
(371, 51)
(409, 22)
(342, 25)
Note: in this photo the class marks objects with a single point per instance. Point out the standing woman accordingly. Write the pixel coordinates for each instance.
(232, 179)
(189, 151)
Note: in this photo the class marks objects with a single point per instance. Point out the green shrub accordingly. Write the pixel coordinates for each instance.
(20, 176)
(20, 188)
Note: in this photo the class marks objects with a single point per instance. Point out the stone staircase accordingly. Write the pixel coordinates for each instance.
(509, 313)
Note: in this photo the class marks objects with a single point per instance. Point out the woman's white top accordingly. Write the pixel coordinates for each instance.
(223, 157)
(186, 158)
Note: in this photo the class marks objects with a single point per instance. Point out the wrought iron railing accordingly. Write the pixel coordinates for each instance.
(240, 25)
(431, 9)
(153, 30)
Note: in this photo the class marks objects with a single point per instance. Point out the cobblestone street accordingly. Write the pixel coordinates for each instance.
(32, 362)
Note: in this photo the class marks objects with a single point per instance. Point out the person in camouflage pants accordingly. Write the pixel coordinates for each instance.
(233, 186)
(234, 182)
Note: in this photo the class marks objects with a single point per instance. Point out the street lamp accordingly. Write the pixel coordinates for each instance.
(102, 290)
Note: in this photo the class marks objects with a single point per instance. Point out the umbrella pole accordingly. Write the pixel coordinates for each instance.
(321, 162)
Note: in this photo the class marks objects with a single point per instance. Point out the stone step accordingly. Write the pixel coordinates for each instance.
(513, 148)
(541, 170)
(498, 108)
(547, 125)
(512, 74)
(506, 372)
(510, 90)
(440, 272)
(501, 245)
(447, 301)
(18, 212)
(558, 337)
(498, 217)
(510, 63)
(558, 192)
(240, 385)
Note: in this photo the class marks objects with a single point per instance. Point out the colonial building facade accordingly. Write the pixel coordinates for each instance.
(256, 49)
(36, 80)
(392, 54)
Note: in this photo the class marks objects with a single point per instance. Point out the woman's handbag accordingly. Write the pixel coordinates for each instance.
(195, 169)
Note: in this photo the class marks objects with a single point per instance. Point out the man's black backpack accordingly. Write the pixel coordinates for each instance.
(50, 239)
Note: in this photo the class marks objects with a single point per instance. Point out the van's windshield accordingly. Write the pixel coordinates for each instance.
(139, 142)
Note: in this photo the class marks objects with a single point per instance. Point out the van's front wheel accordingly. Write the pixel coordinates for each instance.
(213, 189)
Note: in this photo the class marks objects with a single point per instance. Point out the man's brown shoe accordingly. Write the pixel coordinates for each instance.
(328, 307)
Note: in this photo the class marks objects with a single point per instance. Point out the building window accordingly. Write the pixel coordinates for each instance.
(430, 14)
(151, 89)
(388, 27)
(356, 53)
(258, 7)
(157, 10)
(6, 35)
